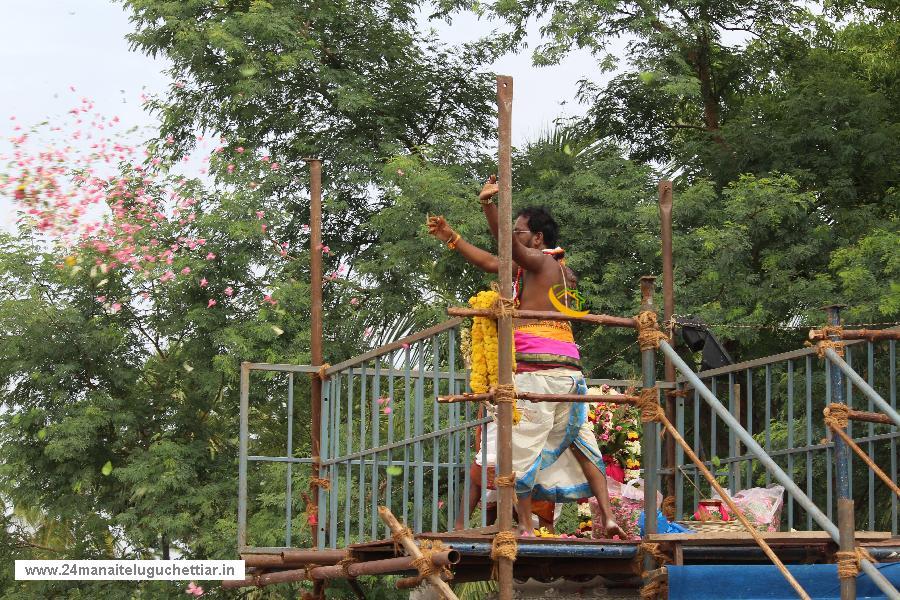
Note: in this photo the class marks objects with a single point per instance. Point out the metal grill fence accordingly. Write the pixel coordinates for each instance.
(385, 440)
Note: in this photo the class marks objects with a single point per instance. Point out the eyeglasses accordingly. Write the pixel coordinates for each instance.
(521, 231)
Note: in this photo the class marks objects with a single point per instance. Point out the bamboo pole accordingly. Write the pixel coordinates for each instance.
(413, 550)
(872, 335)
(665, 221)
(534, 397)
(546, 315)
(504, 323)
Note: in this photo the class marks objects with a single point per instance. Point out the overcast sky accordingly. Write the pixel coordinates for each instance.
(48, 46)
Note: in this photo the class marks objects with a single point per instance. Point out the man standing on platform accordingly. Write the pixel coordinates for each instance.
(555, 454)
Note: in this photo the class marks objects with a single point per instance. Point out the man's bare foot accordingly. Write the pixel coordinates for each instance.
(523, 531)
(612, 529)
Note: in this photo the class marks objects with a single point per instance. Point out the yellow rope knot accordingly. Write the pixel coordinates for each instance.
(504, 546)
(830, 330)
(322, 373)
(320, 482)
(824, 345)
(668, 507)
(649, 335)
(505, 480)
(345, 565)
(654, 589)
(398, 536)
(648, 403)
(848, 562)
(502, 307)
(505, 393)
(654, 551)
(837, 416)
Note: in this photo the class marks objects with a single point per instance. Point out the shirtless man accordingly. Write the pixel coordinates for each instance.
(555, 453)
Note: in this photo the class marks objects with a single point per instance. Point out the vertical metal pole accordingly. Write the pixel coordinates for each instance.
(315, 344)
(846, 516)
(242, 456)
(650, 430)
(289, 500)
(668, 267)
(504, 324)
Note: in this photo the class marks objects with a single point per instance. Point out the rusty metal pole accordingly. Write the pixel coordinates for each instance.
(315, 344)
(668, 267)
(504, 324)
(650, 433)
(846, 512)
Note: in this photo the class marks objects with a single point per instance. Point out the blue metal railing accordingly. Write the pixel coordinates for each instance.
(779, 399)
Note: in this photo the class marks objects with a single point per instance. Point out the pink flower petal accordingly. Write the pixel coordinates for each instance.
(211, 303)
(203, 282)
(229, 291)
(210, 256)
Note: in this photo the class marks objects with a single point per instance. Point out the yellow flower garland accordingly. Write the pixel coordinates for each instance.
(484, 344)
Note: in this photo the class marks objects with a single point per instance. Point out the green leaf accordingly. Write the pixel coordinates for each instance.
(42, 433)
(394, 470)
(107, 468)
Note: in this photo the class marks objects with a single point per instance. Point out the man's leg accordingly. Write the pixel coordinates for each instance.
(474, 497)
(597, 480)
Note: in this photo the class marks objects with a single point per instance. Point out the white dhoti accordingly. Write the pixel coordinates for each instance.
(543, 460)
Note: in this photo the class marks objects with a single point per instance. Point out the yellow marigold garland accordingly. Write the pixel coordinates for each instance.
(484, 344)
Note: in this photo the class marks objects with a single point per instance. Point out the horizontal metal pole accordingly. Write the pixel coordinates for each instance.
(871, 335)
(869, 417)
(562, 550)
(549, 315)
(399, 344)
(772, 467)
(284, 368)
(407, 442)
(285, 459)
(883, 437)
(863, 386)
(759, 362)
(533, 397)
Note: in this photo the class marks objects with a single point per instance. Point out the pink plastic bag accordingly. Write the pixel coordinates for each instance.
(762, 506)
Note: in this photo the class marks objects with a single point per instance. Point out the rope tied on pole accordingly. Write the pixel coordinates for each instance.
(654, 589)
(505, 480)
(668, 507)
(848, 562)
(505, 393)
(308, 568)
(649, 336)
(503, 307)
(320, 482)
(322, 373)
(837, 416)
(653, 550)
(648, 403)
(345, 565)
(823, 345)
(504, 546)
(398, 537)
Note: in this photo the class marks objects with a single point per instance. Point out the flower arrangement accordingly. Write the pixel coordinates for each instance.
(618, 431)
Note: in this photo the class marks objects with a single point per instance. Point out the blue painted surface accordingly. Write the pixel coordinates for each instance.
(758, 582)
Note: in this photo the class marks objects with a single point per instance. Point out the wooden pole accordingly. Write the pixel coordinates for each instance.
(315, 344)
(413, 550)
(665, 221)
(504, 324)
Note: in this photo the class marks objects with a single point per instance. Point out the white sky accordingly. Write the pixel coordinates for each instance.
(47, 46)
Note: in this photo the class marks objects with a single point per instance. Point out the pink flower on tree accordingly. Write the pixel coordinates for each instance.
(210, 256)
(229, 291)
(203, 282)
(186, 271)
(194, 589)
(211, 303)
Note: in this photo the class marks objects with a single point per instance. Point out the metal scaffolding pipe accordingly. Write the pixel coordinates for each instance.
(863, 386)
(771, 466)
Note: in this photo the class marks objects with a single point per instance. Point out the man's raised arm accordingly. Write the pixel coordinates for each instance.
(529, 259)
(438, 227)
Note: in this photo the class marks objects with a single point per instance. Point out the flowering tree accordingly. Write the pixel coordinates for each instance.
(130, 295)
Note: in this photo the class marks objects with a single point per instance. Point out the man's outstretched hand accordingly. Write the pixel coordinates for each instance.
(489, 190)
(438, 227)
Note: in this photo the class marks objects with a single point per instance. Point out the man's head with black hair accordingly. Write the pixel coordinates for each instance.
(536, 228)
